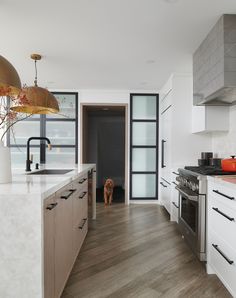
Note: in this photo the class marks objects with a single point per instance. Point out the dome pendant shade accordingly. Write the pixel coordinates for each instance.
(36, 100)
(10, 83)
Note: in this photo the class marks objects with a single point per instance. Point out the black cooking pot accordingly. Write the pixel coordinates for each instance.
(215, 162)
(203, 162)
(206, 155)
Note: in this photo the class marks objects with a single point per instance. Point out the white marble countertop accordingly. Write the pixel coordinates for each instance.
(21, 222)
(229, 181)
(44, 185)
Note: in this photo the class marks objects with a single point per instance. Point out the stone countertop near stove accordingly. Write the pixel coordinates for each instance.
(228, 181)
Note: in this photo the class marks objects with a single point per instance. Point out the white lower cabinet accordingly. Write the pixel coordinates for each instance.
(65, 227)
(166, 194)
(221, 233)
(174, 197)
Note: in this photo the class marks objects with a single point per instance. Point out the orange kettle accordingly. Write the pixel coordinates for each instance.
(229, 164)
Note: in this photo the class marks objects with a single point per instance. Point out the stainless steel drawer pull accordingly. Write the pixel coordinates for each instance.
(83, 195)
(223, 214)
(84, 221)
(68, 194)
(82, 180)
(175, 205)
(163, 184)
(223, 195)
(222, 254)
(51, 206)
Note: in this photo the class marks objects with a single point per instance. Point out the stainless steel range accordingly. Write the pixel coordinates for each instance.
(192, 188)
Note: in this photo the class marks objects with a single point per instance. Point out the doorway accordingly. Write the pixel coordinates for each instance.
(104, 142)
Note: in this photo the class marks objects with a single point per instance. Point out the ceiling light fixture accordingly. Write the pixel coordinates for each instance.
(38, 100)
(9, 79)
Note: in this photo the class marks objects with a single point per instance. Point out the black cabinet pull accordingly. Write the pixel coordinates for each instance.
(82, 196)
(175, 183)
(222, 254)
(84, 221)
(175, 205)
(163, 154)
(163, 184)
(51, 206)
(82, 180)
(223, 214)
(66, 196)
(177, 174)
(223, 195)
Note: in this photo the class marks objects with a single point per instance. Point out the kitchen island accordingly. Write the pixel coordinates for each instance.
(43, 220)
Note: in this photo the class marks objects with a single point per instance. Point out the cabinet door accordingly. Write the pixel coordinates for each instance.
(49, 253)
(166, 195)
(63, 238)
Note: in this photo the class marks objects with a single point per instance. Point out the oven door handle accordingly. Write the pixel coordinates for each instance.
(191, 198)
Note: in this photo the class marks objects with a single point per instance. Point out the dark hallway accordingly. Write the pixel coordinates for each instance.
(104, 144)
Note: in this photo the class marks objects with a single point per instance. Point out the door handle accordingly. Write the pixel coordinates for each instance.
(51, 206)
(216, 247)
(82, 180)
(66, 196)
(84, 221)
(223, 214)
(163, 154)
(223, 195)
(82, 196)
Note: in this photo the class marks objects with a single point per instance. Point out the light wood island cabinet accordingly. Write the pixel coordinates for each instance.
(65, 227)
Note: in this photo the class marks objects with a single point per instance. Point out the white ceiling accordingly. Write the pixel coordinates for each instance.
(105, 44)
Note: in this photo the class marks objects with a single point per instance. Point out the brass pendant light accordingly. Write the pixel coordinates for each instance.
(9, 79)
(37, 100)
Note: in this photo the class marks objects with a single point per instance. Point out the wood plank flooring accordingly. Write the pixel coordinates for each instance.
(135, 251)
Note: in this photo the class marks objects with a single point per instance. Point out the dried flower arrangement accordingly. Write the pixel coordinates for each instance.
(8, 117)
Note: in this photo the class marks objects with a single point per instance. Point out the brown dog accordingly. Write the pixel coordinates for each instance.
(108, 191)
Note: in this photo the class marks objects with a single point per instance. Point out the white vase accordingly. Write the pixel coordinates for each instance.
(5, 164)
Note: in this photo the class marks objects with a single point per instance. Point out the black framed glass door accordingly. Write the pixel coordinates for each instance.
(143, 146)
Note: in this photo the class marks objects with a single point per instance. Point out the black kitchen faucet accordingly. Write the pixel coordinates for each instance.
(28, 160)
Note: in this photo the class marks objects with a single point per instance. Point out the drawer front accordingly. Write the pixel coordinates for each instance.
(219, 258)
(224, 194)
(222, 219)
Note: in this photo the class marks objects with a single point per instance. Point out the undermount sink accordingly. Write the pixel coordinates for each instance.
(51, 172)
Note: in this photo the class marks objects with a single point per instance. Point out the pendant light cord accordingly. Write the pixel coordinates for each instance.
(36, 73)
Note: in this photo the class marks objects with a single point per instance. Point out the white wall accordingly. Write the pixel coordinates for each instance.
(224, 144)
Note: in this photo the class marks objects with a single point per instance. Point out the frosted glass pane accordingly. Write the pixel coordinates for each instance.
(60, 156)
(23, 130)
(144, 133)
(66, 105)
(61, 132)
(144, 160)
(144, 107)
(18, 156)
(143, 185)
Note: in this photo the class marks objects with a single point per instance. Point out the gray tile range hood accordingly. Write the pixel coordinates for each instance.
(214, 65)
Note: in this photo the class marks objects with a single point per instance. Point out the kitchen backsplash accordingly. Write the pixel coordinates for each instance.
(224, 144)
